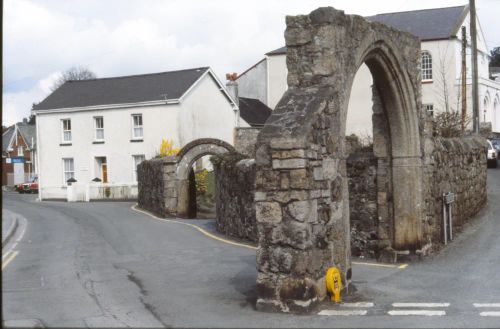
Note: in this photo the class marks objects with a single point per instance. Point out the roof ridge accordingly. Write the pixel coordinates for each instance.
(416, 10)
(141, 75)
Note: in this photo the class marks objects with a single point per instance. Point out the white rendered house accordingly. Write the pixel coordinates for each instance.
(97, 131)
(440, 31)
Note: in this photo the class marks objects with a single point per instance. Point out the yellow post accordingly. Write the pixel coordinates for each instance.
(333, 283)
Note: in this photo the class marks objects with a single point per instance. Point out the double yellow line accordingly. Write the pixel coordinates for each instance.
(204, 232)
(8, 257)
(212, 236)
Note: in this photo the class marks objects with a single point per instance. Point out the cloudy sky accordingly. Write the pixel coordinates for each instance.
(123, 37)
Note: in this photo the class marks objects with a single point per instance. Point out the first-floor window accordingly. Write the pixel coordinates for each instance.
(68, 169)
(137, 160)
(66, 130)
(20, 151)
(99, 128)
(137, 126)
(429, 108)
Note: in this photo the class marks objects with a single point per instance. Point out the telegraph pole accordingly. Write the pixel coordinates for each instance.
(475, 96)
(464, 76)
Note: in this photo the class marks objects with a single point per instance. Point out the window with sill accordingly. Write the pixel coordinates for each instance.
(99, 128)
(66, 131)
(137, 131)
(429, 109)
(426, 66)
(68, 169)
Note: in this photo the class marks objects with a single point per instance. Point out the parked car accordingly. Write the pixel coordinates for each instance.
(492, 155)
(496, 145)
(28, 187)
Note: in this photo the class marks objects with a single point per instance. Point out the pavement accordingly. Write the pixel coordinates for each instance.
(106, 265)
(9, 225)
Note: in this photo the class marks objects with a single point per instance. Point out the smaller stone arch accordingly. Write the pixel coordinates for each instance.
(184, 161)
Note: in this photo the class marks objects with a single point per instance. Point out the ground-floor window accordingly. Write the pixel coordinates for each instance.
(429, 108)
(68, 169)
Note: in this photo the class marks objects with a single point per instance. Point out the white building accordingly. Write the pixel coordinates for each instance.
(100, 129)
(440, 31)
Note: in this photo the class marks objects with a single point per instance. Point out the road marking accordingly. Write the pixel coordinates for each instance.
(489, 314)
(358, 304)
(206, 233)
(420, 304)
(402, 266)
(342, 312)
(486, 304)
(416, 312)
(8, 257)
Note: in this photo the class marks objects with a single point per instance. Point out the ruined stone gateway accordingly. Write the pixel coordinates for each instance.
(301, 184)
(297, 165)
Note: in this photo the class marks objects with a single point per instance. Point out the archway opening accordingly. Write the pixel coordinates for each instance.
(382, 160)
(202, 203)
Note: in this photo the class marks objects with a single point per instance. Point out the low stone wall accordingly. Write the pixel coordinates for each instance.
(151, 185)
(362, 174)
(235, 188)
(456, 165)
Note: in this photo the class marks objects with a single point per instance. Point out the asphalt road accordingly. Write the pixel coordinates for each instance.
(103, 264)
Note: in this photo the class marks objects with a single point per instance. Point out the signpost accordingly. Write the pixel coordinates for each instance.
(448, 199)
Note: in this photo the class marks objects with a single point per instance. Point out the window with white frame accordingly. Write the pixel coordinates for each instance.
(68, 169)
(99, 128)
(426, 66)
(137, 160)
(429, 109)
(20, 151)
(66, 130)
(137, 126)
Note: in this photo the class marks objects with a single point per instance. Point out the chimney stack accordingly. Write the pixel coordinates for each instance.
(232, 86)
(25, 120)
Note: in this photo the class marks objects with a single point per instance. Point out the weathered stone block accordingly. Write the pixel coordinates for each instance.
(268, 212)
(289, 164)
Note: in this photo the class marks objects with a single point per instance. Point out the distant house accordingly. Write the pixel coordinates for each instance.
(440, 31)
(18, 154)
(97, 131)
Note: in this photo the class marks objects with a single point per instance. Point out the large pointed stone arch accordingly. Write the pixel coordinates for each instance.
(301, 182)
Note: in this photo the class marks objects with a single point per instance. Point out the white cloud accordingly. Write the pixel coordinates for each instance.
(122, 37)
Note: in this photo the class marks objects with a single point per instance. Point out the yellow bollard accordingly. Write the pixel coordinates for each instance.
(333, 283)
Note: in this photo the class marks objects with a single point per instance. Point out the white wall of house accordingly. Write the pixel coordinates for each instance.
(253, 82)
(204, 111)
(276, 79)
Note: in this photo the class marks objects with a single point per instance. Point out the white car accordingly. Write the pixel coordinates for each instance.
(492, 155)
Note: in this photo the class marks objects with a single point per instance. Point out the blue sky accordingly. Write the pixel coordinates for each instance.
(122, 37)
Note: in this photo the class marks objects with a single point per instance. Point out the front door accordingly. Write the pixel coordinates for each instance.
(104, 173)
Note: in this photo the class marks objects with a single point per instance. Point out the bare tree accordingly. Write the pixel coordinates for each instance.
(73, 73)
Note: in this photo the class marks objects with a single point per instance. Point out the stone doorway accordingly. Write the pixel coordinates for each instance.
(302, 200)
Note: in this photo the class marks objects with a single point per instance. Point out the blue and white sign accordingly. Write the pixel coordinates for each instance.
(17, 160)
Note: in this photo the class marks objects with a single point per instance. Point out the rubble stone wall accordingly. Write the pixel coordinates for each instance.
(455, 165)
(151, 185)
(235, 188)
(363, 212)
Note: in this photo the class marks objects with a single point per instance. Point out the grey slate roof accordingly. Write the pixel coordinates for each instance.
(26, 130)
(6, 136)
(122, 90)
(253, 111)
(427, 24)
(29, 134)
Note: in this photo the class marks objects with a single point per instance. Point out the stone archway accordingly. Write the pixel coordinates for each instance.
(301, 194)
(177, 177)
